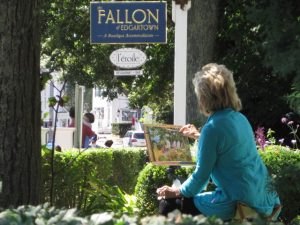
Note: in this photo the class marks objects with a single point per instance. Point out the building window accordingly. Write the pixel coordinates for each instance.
(128, 114)
(99, 116)
(99, 113)
(98, 92)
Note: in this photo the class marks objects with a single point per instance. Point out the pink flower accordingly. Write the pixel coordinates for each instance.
(284, 120)
(260, 137)
(290, 122)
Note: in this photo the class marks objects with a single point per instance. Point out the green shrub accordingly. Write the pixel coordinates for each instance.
(120, 128)
(150, 178)
(78, 175)
(43, 214)
(102, 198)
(296, 221)
(127, 163)
(282, 163)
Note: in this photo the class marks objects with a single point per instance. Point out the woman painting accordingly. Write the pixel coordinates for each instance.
(227, 154)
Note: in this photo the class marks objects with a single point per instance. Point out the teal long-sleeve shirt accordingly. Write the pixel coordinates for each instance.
(228, 155)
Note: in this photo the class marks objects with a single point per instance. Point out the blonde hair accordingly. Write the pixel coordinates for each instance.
(215, 89)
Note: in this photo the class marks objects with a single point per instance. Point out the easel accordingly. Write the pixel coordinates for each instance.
(172, 175)
(171, 171)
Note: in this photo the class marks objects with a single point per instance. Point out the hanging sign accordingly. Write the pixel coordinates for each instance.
(128, 58)
(128, 72)
(128, 22)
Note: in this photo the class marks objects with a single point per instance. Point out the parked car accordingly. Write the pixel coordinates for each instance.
(134, 138)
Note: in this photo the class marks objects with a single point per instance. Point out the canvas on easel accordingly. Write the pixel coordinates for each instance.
(167, 146)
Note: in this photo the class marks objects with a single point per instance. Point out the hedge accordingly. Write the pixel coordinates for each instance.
(43, 214)
(150, 178)
(283, 164)
(77, 175)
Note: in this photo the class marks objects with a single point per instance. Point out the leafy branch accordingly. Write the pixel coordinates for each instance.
(55, 103)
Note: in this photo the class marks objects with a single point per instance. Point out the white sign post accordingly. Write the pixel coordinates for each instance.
(179, 16)
(79, 92)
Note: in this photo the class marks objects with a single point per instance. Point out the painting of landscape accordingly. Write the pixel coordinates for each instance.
(166, 145)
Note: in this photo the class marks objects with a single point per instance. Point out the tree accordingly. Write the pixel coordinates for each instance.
(278, 24)
(247, 38)
(155, 87)
(202, 34)
(243, 35)
(240, 48)
(66, 46)
(20, 117)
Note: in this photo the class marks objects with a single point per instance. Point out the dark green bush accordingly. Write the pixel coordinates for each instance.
(296, 221)
(120, 128)
(150, 178)
(127, 164)
(282, 163)
(78, 175)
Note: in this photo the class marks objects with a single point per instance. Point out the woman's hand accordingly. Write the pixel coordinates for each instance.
(190, 131)
(168, 192)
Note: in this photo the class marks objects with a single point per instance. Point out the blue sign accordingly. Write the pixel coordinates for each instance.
(128, 22)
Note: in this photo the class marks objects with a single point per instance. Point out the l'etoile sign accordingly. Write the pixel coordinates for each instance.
(128, 58)
(128, 22)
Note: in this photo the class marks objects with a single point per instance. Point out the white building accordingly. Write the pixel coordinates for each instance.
(47, 113)
(108, 112)
(64, 136)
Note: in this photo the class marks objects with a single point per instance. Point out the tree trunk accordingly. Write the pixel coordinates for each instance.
(20, 116)
(202, 33)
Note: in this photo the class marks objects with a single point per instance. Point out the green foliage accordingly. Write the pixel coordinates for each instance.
(296, 221)
(46, 215)
(239, 46)
(43, 214)
(44, 78)
(288, 186)
(79, 177)
(66, 47)
(61, 101)
(151, 178)
(52, 101)
(270, 136)
(294, 97)
(279, 26)
(284, 165)
(120, 128)
(103, 197)
(155, 87)
(258, 40)
(125, 174)
(277, 157)
(181, 219)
